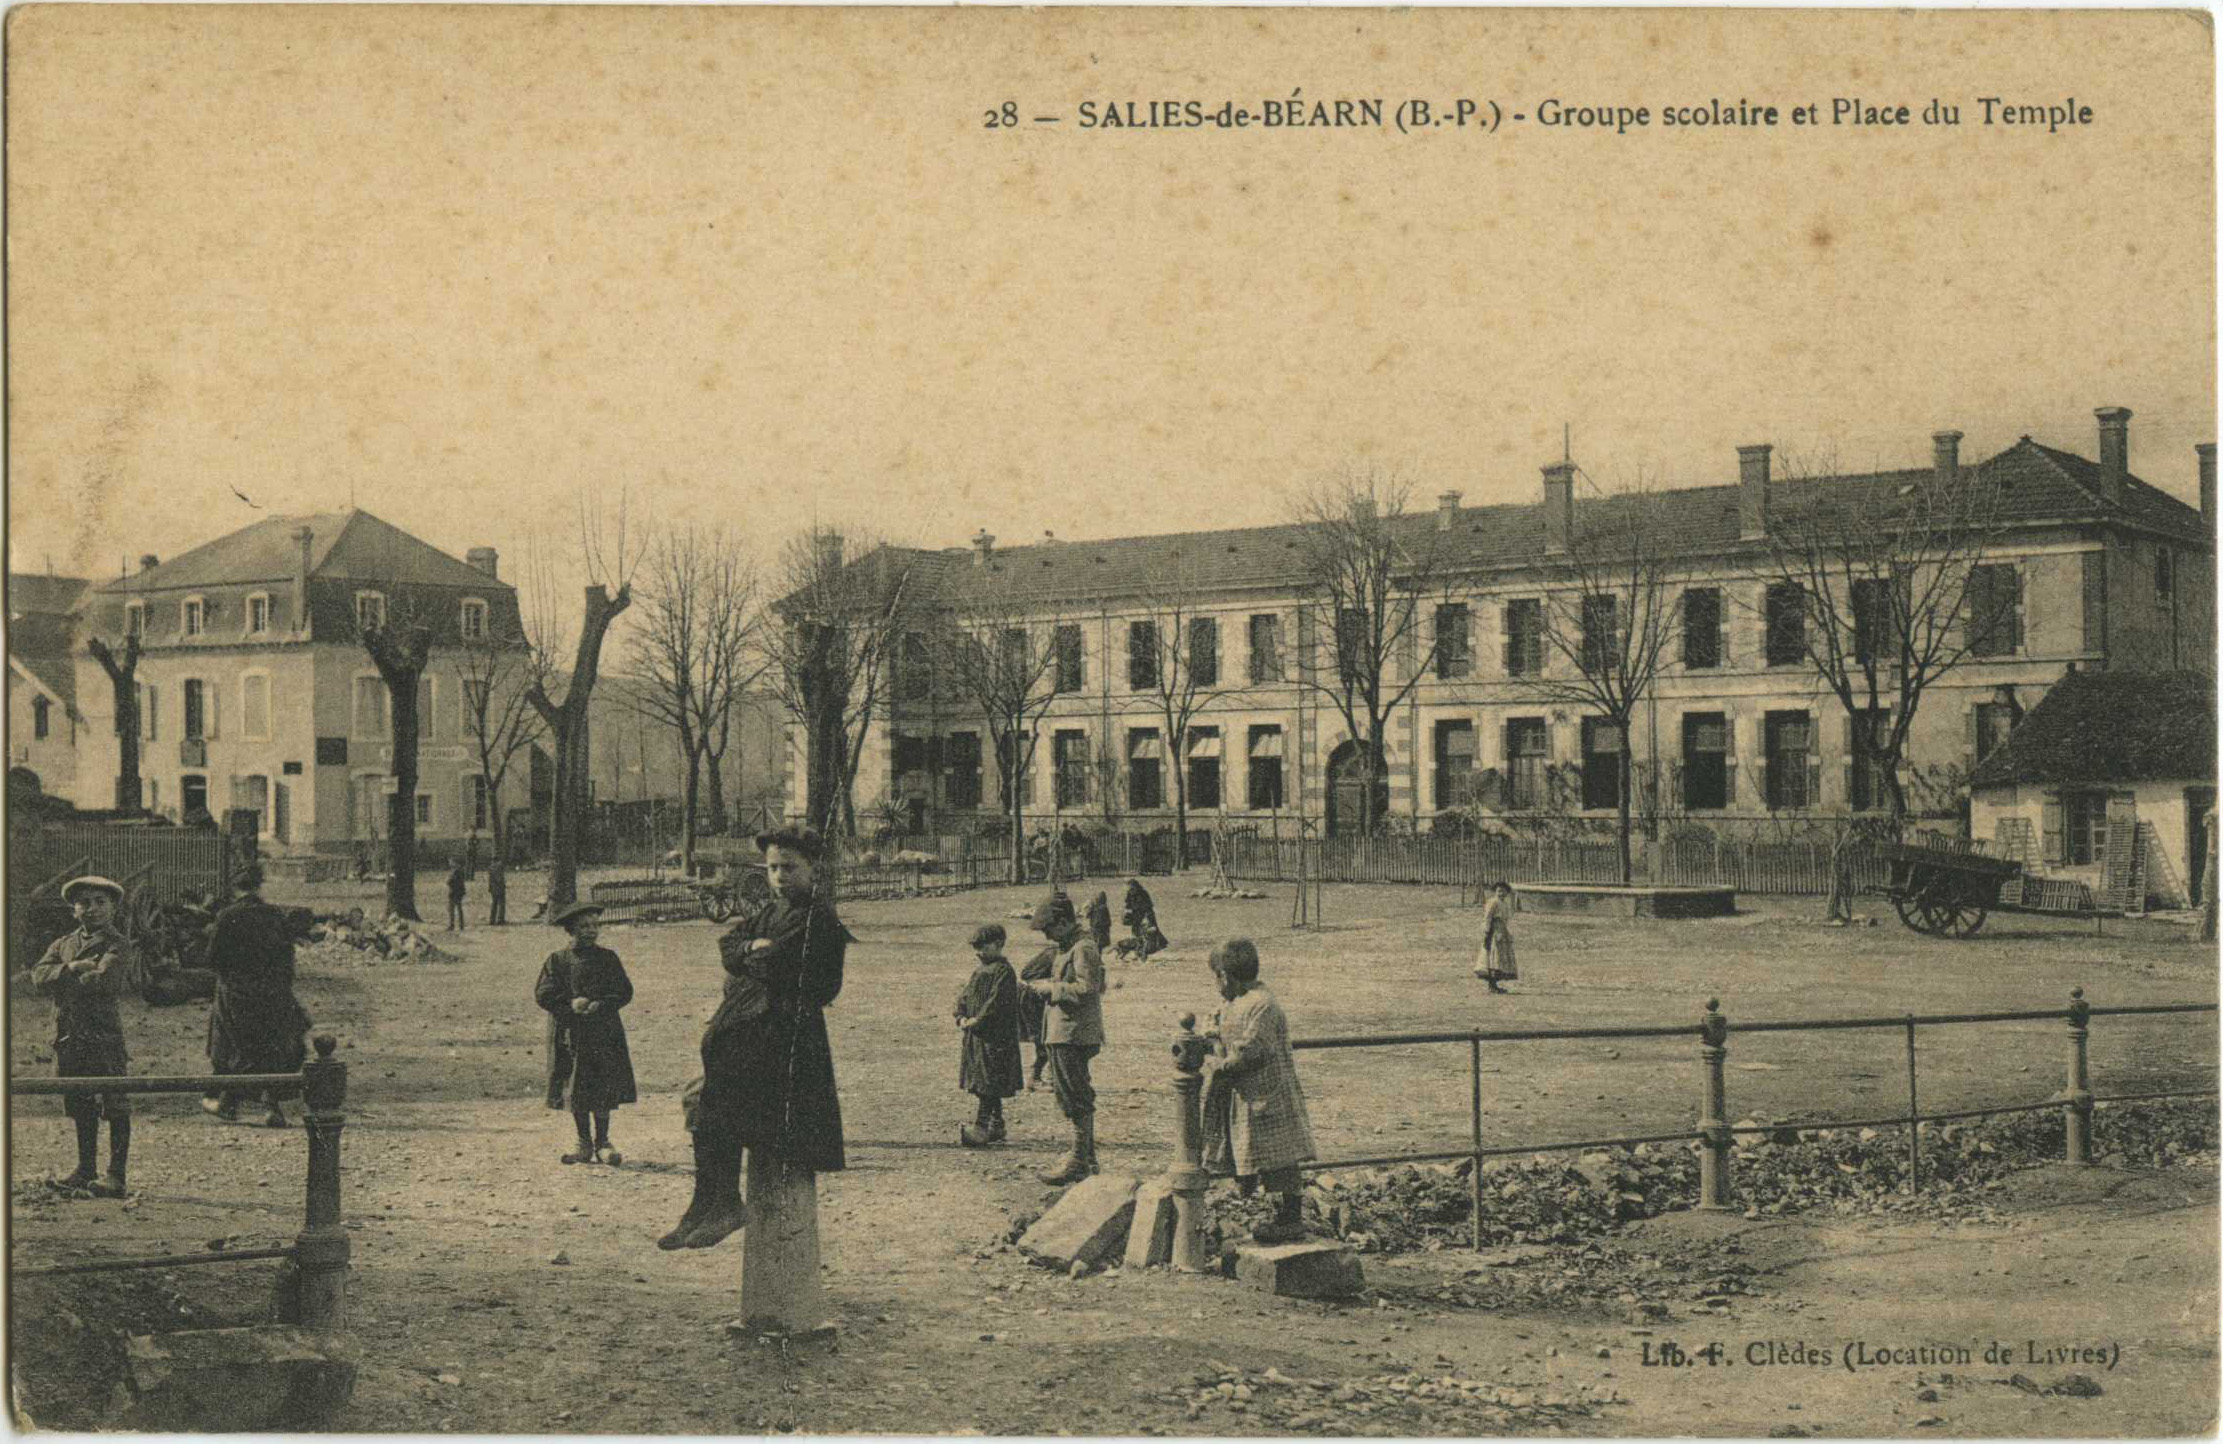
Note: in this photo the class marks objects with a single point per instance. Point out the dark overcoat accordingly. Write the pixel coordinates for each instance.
(1099, 922)
(256, 1025)
(1032, 1005)
(988, 1065)
(601, 1070)
(767, 1067)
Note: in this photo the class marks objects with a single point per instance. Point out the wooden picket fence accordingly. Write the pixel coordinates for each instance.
(1757, 867)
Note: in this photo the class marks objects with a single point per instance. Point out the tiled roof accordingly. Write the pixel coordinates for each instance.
(32, 594)
(351, 545)
(2112, 727)
(55, 672)
(2036, 484)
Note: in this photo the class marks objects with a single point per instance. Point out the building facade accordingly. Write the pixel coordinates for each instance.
(2090, 566)
(43, 721)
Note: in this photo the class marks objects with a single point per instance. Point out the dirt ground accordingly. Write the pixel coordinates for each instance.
(496, 1291)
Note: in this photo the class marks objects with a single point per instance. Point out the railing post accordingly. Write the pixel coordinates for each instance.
(320, 1252)
(1914, 1118)
(2078, 1095)
(1713, 1124)
(1474, 1067)
(1186, 1178)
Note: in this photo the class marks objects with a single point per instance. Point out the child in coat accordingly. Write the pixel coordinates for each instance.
(1255, 1122)
(457, 883)
(1099, 923)
(1140, 914)
(583, 988)
(988, 1019)
(1495, 965)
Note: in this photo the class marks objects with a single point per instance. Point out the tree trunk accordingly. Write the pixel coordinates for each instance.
(688, 813)
(1178, 761)
(714, 816)
(122, 682)
(401, 808)
(1628, 762)
(567, 729)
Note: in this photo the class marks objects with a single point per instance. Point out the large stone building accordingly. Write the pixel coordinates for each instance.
(255, 690)
(2091, 568)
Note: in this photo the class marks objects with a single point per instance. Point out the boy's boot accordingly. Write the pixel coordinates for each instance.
(119, 1159)
(276, 1117)
(697, 1206)
(976, 1133)
(995, 1120)
(1288, 1221)
(88, 1154)
(726, 1214)
(1081, 1162)
(583, 1152)
(603, 1152)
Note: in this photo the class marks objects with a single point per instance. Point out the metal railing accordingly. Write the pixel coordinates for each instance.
(1713, 1130)
(317, 1291)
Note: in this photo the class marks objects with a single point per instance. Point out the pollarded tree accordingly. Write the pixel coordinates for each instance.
(123, 671)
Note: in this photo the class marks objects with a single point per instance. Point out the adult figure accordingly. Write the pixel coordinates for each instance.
(82, 971)
(497, 890)
(256, 1025)
(1073, 1028)
(767, 1068)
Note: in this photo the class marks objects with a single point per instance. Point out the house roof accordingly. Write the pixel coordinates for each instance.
(32, 594)
(2107, 727)
(349, 545)
(54, 673)
(41, 630)
(2033, 484)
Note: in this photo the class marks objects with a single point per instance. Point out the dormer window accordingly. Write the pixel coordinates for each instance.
(370, 610)
(473, 622)
(194, 617)
(258, 614)
(135, 619)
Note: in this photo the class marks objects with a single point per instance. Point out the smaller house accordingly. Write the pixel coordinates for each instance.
(2109, 780)
(43, 720)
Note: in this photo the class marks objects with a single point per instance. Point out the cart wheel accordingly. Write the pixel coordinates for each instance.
(754, 888)
(1910, 913)
(1972, 919)
(717, 905)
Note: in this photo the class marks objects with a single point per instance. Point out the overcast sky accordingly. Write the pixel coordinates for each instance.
(772, 268)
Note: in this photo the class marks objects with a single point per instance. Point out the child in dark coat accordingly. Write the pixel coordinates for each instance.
(1140, 915)
(583, 988)
(988, 1016)
(1099, 923)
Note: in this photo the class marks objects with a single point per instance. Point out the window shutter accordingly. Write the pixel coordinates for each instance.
(1813, 778)
(1974, 742)
(1721, 625)
(1729, 757)
(2014, 611)
(1845, 768)
(2095, 601)
(210, 696)
(1505, 636)
(2054, 822)
(150, 712)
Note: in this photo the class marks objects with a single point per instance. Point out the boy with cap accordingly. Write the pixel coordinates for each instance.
(82, 971)
(1073, 1028)
(582, 988)
(988, 1016)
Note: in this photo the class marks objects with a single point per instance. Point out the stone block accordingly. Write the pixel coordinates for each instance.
(1323, 1269)
(232, 1381)
(1150, 1237)
(1088, 1225)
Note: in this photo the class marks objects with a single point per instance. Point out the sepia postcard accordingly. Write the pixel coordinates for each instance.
(1187, 722)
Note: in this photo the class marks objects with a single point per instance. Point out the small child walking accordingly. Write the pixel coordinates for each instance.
(988, 1018)
(1495, 963)
(1255, 1123)
(458, 880)
(583, 988)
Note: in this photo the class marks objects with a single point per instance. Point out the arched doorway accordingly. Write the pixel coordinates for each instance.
(1347, 784)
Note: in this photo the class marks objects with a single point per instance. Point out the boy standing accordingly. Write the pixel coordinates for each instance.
(457, 881)
(582, 988)
(1256, 1125)
(82, 971)
(988, 1014)
(1073, 1029)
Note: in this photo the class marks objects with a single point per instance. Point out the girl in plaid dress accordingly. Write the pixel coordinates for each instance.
(1496, 964)
(1256, 1126)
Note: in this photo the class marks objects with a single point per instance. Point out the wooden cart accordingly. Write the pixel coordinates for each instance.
(1944, 887)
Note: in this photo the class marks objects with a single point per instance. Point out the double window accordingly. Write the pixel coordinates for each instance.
(1868, 730)
(1204, 652)
(1204, 767)
(472, 622)
(1701, 628)
(1455, 774)
(1785, 618)
(1454, 643)
(1994, 611)
(1705, 760)
(1527, 749)
(1145, 770)
(1071, 676)
(1524, 637)
(1069, 756)
(1265, 769)
(193, 620)
(962, 753)
(1790, 753)
(1601, 635)
(1142, 656)
(2085, 833)
(1265, 648)
(1601, 762)
(258, 614)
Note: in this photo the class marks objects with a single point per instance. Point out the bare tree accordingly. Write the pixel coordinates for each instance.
(696, 653)
(398, 638)
(1176, 667)
(1369, 571)
(498, 673)
(1004, 659)
(1608, 616)
(1882, 584)
(840, 621)
(124, 688)
(611, 557)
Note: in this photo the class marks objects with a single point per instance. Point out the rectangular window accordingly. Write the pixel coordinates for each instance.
(370, 611)
(1995, 722)
(258, 615)
(961, 754)
(1071, 675)
(1352, 652)
(1524, 637)
(42, 720)
(1790, 754)
(1454, 641)
(1785, 615)
(1601, 763)
(424, 809)
(1204, 767)
(1867, 778)
(370, 707)
(1527, 749)
(196, 708)
(196, 613)
(482, 804)
(1871, 620)
(1142, 656)
(1013, 770)
(2095, 601)
(473, 622)
(2087, 828)
(2165, 574)
(1265, 769)
(918, 670)
(135, 619)
(1015, 663)
(1265, 647)
(254, 707)
(1701, 628)
(1145, 780)
(475, 698)
(1204, 652)
(1455, 775)
(910, 755)
(1069, 755)
(427, 717)
(1994, 603)
(1601, 635)
(1705, 760)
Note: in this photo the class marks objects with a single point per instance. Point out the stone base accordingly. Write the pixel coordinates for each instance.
(1150, 1237)
(1317, 1270)
(1088, 1225)
(1636, 901)
(779, 1252)
(232, 1381)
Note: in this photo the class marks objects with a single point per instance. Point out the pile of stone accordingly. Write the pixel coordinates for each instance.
(1438, 1400)
(1226, 893)
(351, 940)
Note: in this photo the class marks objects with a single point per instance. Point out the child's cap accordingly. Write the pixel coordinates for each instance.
(1237, 958)
(988, 935)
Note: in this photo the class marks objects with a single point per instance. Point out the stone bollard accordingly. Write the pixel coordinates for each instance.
(1186, 1178)
(2078, 1095)
(1713, 1122)
(320, 1251)
(780, 1291)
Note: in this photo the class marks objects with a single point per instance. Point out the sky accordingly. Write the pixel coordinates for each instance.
(773, 268)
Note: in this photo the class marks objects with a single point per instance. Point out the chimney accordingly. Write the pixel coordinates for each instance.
(1447, 510)
(1945, 452)
(984, 546)
(2114, 422)
(485, 559)
(1752, 492)
(1559, 506)
(828, 544)
(2206, 452)
(302, 538)
(148, 561)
